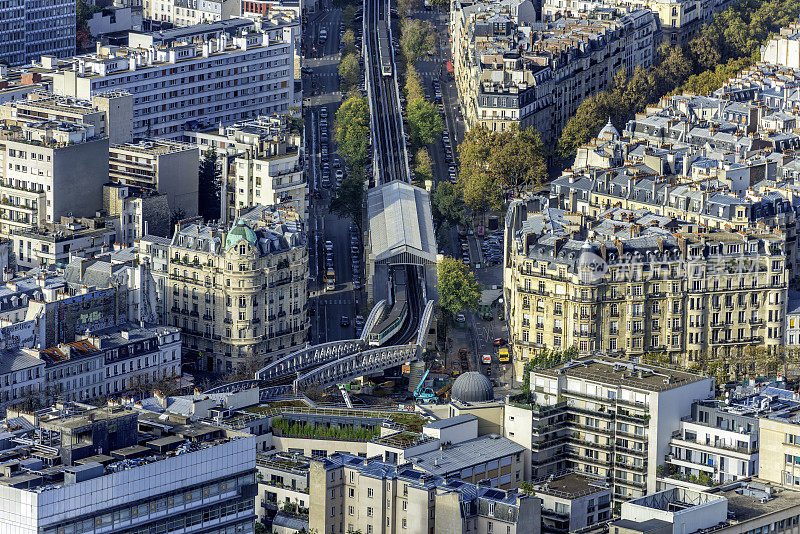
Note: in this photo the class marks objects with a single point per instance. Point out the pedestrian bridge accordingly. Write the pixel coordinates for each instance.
(332, 363)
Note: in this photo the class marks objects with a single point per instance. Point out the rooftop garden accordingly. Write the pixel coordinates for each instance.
(409, 421)
(265, 408)
(402, 439)
(295, 429)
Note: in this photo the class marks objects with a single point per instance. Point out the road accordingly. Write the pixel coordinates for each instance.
(321, 88)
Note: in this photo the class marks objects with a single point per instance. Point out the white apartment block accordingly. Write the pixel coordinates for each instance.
(605, 418)
(260, 163)
(191, 12)
(32, 28)
(183, 84)
(49, 169)
(111, 114)
(55, 244)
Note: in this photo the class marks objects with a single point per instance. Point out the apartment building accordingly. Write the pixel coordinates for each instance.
(261, 163)
(22, 378)
(138, 211)
(191, 12)
(50, 169)
(746, 506)
(32, 28)
(162, 166)
(188, 82)
(719, 442)
(349, 493)
(778, 459)
(239, 294)
(510, 70)
(634, 282)
(111, 114)
(55, 244)
(572, 502)
(604, 418)
(283, 490)
(166, 474)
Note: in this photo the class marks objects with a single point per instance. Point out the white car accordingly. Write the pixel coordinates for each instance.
(487, 359)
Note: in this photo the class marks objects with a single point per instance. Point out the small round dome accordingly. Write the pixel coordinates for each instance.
(608, 133)
(472, 387)
(238, 232)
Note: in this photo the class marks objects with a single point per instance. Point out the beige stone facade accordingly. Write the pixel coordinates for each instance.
(640, 283)
(239, 295)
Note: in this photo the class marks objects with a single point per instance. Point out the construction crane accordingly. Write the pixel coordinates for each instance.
(345, 396)
(422, 394)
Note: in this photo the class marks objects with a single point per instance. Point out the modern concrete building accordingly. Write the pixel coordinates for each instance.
(239, 294)
(111, 113)
(56, 243)
(31, 28)
(605, 418)
(350, 493)
(185, 83)
(139, 211)
(737, 508)
(159, 165)
(165, 474)
(719, 442)
(260, 162)
(572, 502)
(50, 169)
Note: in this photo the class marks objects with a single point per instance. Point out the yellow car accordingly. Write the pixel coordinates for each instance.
(503, 356)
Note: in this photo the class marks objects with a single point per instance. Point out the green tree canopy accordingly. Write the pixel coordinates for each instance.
(457, 287)
(349, 42)
(405, 7)
(447, 204)
(417, 38)
(349, 70)
(423, 166)
(414, 89)
(352, 131)
(349, 200)
(424, 122)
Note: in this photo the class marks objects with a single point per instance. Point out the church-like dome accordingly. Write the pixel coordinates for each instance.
(238, 232)
(608, 133)
(472, 387)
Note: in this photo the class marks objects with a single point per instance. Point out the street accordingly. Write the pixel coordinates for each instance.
(321, 88)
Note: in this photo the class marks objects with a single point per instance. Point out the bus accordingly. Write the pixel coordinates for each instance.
(503, 355)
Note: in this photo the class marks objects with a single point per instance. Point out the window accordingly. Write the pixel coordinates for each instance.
(370, 492)
(369, 511)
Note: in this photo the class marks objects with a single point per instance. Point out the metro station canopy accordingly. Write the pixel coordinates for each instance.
(400, 225)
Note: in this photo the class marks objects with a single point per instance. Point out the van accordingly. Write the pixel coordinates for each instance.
(503, 355)
(486, 359)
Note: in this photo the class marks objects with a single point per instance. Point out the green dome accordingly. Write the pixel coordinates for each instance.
(238, 232)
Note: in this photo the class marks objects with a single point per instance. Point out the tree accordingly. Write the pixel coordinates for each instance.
(448, 207)
(520, 161)
(405, 7)
(349, 42)
(423, 169)
(349, 70)
(349, 200)
(480, 192)
(417, 38)
(352, 131)
(424, 122)
(458, 289)
(414, 89)
(260, 528)
(209, 177)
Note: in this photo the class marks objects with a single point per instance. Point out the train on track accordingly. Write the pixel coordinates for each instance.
(384, 49)
(387, 328)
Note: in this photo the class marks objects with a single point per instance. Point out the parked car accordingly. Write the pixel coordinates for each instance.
(499, 341)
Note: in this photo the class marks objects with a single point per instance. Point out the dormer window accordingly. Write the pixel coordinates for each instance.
(242, 248)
